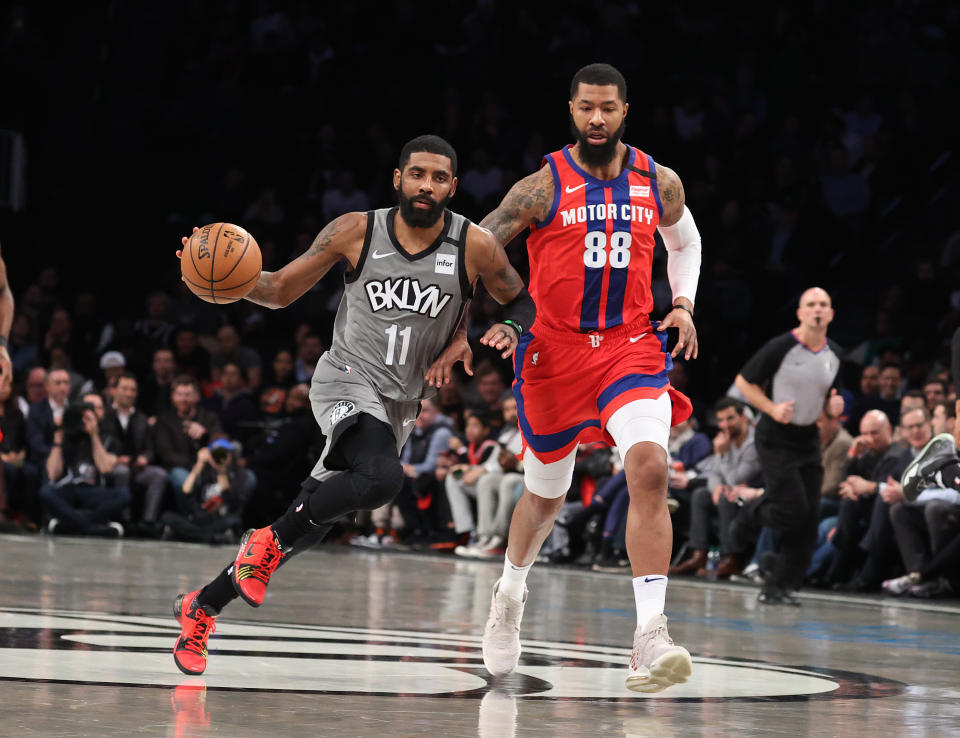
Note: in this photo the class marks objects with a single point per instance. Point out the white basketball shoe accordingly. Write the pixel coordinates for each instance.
(656, 663)
(501, 636)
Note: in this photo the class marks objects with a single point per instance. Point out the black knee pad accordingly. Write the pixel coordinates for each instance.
(378, 480)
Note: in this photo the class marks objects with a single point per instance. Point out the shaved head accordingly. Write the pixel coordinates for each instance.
(814, 294)
(815, 310)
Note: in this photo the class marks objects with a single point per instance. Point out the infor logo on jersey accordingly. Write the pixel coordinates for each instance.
(446, 263)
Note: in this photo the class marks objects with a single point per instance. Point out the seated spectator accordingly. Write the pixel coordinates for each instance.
(112, 365)
(486, 390)
(23, 349)
(886, 398)
(19, 482)
(879, 541)
(233, 404)
(421, 500)
(309, 351)
(60, 358)
(45, 416)
(499, 487)
(476, 458)
(944, 418)
(282, 457)
(34, 390)
(874, 461)
(279, 379)
(934, 392)
(135, 468)
(922, 530)
(835, 444)
(211, 502)
(181, 432)
(231, 351)
(77, 499)
(190, 357)
(156, 391)
(735, 463)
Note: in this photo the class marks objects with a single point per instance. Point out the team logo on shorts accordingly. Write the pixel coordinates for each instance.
(341, 410)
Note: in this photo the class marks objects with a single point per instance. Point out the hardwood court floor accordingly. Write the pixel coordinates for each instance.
(359, 643)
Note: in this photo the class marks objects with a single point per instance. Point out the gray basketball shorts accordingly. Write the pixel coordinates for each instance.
(338, 394)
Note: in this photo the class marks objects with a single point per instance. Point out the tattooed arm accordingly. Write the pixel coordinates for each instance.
(527, 202)
(682, 241)
(340, 238)
(671, 195)
(486, 259)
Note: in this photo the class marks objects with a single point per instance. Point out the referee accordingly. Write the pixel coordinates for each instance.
(788, 380)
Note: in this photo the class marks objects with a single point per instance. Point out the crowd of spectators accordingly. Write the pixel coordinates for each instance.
(810, 155)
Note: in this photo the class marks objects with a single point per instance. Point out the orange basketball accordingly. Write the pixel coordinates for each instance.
(221, 263)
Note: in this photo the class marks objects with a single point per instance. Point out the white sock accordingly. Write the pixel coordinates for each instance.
(513, 578)
(650, 593)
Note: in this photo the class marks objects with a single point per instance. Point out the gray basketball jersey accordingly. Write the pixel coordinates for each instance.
(399, 310)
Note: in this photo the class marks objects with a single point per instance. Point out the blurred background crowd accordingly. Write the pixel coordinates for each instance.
(811, 141)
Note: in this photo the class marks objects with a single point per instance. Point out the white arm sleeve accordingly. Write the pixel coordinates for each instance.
(682, 240)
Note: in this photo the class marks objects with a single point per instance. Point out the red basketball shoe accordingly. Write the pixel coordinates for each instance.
(196, 626)
(257, 559)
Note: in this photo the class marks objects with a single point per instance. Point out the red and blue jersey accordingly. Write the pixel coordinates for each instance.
(591, 258)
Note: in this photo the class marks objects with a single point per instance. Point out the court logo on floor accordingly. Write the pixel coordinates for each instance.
(100, 648)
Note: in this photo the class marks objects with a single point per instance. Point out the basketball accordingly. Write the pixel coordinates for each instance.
(221, 263)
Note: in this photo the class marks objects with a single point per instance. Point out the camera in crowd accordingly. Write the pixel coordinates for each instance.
(72, 423)
(220, 450)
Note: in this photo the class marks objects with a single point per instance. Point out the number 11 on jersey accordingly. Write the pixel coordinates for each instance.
(392, 332)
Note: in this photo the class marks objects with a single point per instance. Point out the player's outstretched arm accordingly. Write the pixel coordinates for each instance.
(682, 241)
(527, 202)
(339, 239)
(341, 235)
(487, 260)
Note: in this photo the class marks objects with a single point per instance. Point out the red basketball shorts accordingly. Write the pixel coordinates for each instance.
(568, 385)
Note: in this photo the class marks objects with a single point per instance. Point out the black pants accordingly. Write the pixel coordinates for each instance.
(790, 504)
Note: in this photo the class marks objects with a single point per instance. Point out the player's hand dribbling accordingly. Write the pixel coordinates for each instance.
(458, 350)
(501, 337)
(683, 321)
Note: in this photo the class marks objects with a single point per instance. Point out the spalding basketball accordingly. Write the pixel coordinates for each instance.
(221, 263)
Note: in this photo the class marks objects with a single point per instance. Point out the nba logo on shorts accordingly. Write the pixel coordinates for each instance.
(445, 264)
(341, 410)
(639, 191)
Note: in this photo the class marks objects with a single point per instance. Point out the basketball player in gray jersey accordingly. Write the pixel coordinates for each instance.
(411, 271)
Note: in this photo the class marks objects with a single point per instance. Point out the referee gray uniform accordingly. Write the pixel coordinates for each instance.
(398, 312)
(789, 453)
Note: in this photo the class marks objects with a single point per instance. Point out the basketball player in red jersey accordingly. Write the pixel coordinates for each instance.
(593, 366)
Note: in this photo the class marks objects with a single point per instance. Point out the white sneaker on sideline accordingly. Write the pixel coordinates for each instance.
(656, 662)
(501, 636)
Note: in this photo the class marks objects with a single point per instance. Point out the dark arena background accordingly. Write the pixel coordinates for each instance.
(815, 147)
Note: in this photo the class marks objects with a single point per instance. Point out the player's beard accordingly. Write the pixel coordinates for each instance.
(597, 155)
(417, 218)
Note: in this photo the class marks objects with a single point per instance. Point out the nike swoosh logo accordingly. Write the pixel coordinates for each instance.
(637, 338)
(653, 579)
(408, 421)
(249, 552)
(378, 255)
(574, 189)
